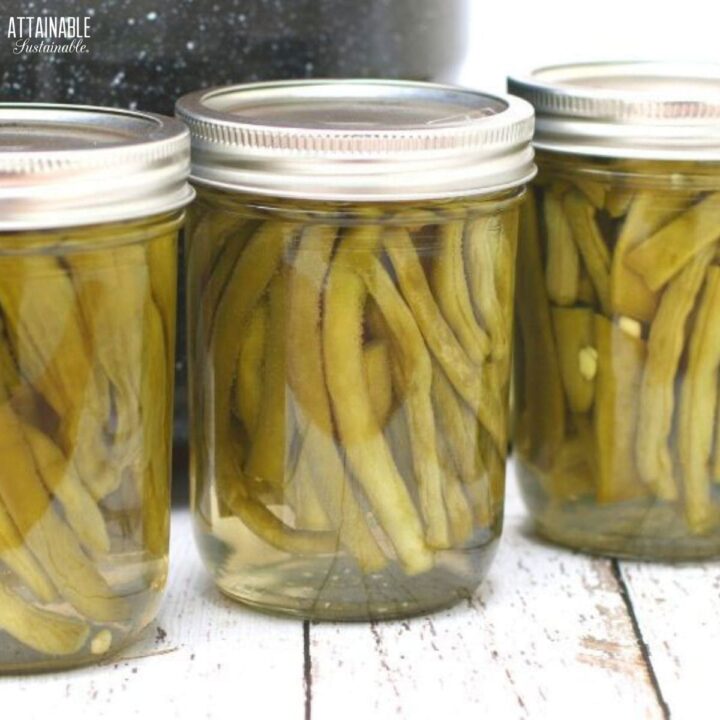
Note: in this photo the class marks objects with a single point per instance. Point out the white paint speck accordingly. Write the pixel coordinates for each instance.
(119, 77)
(190, 45)
(151, 16)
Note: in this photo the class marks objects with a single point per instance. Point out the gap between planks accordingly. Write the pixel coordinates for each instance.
(642, 644)
(550, 633)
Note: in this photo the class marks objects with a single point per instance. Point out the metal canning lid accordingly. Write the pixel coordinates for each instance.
(71, 165)
(644, 110)
(358, 139)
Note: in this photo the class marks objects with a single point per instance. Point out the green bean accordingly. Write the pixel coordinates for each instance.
(412, 376)
(470, 382)
(630, 294)
(46, 534)
(562, 268)
(594, 252)
(306, 377)
(698, 404)
(274, 531)
(459, 510)
(453, 296)
(43, 631)
(621, 358)
(618, 201)
(20, 560)
(369, 456)
(487, 243)
(595, 192)
(267, 460)
(657, 396)
(249, 381)
(543, 407)
(661, 256)
(459, 428)
(576, 354)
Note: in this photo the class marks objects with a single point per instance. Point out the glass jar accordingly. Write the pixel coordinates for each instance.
(90, 209)
(617, 435)
(350, 280)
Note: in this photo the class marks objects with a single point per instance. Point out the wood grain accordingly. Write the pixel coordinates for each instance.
(547, 636)
(678, 611)
(551, 634)
(204, 657)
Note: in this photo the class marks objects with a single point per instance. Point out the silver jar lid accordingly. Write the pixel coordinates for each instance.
(71, 165)
(358, 139)
(643, 110)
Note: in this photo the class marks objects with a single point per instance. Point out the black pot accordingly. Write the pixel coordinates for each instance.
(145, 53)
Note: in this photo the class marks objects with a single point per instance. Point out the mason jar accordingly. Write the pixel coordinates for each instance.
(91, 201)
(617, 434)
(350, 279)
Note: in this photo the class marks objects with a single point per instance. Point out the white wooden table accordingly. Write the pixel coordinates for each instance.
(550, 634)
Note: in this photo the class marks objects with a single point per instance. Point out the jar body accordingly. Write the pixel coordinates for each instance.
(616, 426)
(349, 380)
(86, 375)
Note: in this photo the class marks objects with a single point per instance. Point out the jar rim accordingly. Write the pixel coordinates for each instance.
(378, 140)
(650, 110)
(76, 165)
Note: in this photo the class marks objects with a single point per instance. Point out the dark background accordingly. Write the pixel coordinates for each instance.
(146, 53)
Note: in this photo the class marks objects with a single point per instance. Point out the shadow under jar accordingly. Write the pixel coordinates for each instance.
(350, 280)
(87, 322)
(618, 334)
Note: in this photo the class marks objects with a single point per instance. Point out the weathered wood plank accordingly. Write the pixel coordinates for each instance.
(678, 613)
(547, 636)
(204, 657)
